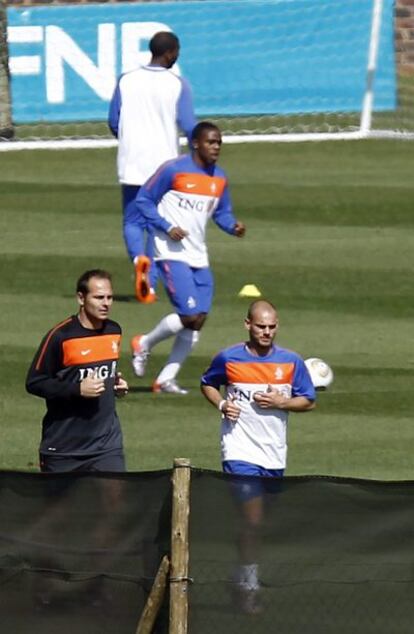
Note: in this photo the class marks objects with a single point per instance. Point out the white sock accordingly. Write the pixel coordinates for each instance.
(249, 578)
(183, 344)
(167, 327)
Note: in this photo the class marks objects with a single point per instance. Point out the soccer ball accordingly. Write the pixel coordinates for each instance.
(320, 372)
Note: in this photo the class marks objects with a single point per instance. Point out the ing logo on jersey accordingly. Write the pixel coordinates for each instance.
(115, 346)
(191, 302)
(104, 371)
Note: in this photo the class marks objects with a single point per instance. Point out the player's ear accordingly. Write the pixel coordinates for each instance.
(247, 324)
(81, 299)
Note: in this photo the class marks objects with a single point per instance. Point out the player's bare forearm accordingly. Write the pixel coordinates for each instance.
(299, 404)
(212, 394)
(273, 399)
(226, 405)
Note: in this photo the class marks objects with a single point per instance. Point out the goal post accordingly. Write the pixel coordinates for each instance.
(6, 125)
(264, 70)
(366, 114)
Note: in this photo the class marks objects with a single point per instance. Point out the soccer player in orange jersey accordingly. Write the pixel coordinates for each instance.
(262, 383)
(75, 371)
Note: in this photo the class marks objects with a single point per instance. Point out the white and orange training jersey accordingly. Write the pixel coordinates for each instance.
(182, 194)
(259, 436)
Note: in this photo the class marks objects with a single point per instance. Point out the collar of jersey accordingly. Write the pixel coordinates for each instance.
(157, 68)
(259, 356)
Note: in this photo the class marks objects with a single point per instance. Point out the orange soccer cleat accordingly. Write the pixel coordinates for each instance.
(143, 291)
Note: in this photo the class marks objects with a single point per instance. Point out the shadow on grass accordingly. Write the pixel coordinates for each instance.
(125, 298)
(140, 388)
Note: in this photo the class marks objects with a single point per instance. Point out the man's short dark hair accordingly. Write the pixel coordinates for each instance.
(201, 127)
(82, 285)
(162, 42)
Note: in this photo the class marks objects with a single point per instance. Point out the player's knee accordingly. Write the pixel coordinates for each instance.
(193, 322)
(255, 522)
(200, 321)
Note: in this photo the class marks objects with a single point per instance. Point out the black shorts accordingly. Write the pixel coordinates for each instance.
(112, 461)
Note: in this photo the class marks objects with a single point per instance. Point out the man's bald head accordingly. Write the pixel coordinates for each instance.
(258, 306)
(262, 323)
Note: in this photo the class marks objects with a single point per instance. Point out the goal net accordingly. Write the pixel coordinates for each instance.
(261, 69)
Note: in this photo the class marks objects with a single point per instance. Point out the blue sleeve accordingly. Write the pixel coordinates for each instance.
(185, 111)
(216, 375)
(223, 215)
(302, 383)
(114, 111)
(150, 195)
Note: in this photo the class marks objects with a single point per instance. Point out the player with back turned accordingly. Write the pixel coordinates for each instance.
(147, 106)
(75, 371)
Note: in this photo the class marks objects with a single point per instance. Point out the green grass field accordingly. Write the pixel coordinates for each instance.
(330, 242)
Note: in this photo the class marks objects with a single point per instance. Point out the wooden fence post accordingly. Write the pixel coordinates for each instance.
(179, 547)
(155, 598)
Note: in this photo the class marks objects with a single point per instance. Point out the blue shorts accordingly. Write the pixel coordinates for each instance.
(190, 290)
(252, 480)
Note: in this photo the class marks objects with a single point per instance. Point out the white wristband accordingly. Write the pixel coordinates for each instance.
(220, 405)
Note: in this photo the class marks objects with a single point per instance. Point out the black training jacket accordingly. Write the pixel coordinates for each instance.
(74, 425)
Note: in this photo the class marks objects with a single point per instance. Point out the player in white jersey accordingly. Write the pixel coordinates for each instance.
(147, 106)
(177, 203)
(262, 384)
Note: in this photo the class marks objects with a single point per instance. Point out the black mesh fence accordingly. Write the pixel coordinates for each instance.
(335, 556)
(78, 553)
